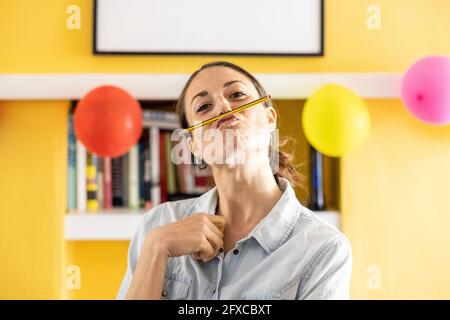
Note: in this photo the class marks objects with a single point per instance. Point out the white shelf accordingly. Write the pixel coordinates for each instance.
(155, 86)
(332, 217)
(121, 224)
(105, 225)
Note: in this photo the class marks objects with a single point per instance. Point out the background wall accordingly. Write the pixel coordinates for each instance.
(33, 157)
(396, 208)
(393, 196)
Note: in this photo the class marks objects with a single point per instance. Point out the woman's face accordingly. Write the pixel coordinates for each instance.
(216, 90)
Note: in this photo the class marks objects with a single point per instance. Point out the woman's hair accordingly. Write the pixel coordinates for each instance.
(286, 168)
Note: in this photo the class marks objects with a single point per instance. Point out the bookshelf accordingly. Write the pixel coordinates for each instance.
(114, 224)
(120, 223)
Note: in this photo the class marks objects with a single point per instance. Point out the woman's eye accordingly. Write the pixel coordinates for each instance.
(237, 92)
(203, 107)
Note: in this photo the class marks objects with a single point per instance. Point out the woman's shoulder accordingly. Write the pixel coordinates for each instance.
(318, 232)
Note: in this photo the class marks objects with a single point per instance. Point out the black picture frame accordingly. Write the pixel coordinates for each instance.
(320, 53)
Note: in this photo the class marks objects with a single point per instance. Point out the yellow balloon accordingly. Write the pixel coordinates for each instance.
(335, 120)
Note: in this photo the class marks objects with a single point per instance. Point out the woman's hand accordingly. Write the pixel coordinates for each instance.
(200, 235)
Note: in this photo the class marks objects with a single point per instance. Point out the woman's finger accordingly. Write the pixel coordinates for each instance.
(218, 220)
(214, 228)
(206, 250)
(215, 240)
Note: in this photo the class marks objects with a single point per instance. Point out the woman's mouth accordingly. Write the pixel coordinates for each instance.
(228, 120)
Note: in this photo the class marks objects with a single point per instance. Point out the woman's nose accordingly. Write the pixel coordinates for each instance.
(224, 106)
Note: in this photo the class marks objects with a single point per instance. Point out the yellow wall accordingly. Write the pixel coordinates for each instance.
(35, 39)
(102, 266)
(33, 147)
(388, 185)
(395, 207)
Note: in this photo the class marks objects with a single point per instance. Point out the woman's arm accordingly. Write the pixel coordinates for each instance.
(148, 278)
(200, 235)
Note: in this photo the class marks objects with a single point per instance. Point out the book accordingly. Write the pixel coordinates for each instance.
(71, 168)
(144, 170)
(116, 178)
(317, 197)
(133, 177)
(162, 119)
(124, 180)
(81, 177)
(155, 163)
(91, 180)
(163, 167)
(100, 182)
(107, 184)
(171, 176)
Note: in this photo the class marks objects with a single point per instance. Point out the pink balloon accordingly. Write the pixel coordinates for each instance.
(426, 89)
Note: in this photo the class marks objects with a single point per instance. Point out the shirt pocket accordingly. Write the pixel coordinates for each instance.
(175, 287)
(285, 292)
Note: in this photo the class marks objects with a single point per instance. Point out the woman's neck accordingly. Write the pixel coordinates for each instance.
(246, 193)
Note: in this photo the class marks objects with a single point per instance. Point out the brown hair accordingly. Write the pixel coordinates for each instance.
(286, 168)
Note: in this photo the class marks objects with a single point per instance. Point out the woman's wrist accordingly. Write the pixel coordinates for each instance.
(156, 243)
(148, 276)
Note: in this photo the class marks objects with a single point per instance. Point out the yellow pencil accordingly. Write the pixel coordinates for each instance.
(238, 109)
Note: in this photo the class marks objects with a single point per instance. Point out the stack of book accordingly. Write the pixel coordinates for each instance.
(141, 179)
(317, 180)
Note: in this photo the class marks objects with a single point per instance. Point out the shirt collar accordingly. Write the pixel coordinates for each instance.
(272, 231)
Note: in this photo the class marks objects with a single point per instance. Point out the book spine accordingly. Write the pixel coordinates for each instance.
(125, 182)
(133, 188)
(163, 167)
(165, 117)
(107, 183)
(317, 197)
(147, 171)
(100, 182)
(116, 175)
(72, 172)
(154, 156)
(141, 170)
(91, 176)
(81, 177)
(181, 184)
(171, 182)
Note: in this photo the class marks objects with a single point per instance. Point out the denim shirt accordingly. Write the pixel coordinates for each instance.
(290, 254)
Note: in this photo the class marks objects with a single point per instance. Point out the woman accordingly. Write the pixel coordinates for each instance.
(248, 237)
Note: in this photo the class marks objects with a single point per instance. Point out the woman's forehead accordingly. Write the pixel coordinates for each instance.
(213, 79)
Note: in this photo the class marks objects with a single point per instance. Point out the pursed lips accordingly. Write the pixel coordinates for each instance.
(230, 117)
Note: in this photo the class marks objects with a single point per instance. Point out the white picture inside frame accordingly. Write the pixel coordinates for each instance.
(265, 27)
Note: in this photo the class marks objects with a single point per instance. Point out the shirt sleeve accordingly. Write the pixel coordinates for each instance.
(328, 275)
(150, 221)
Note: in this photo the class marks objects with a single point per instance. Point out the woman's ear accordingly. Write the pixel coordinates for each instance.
(272, 118)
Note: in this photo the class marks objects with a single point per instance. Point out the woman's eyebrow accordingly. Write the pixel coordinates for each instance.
(205, 93)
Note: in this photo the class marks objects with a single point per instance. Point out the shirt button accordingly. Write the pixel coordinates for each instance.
(164, 293)
(235, 251)
(221, 250)
(214, 291)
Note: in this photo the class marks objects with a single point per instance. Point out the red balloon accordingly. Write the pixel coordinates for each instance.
(108, 121)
